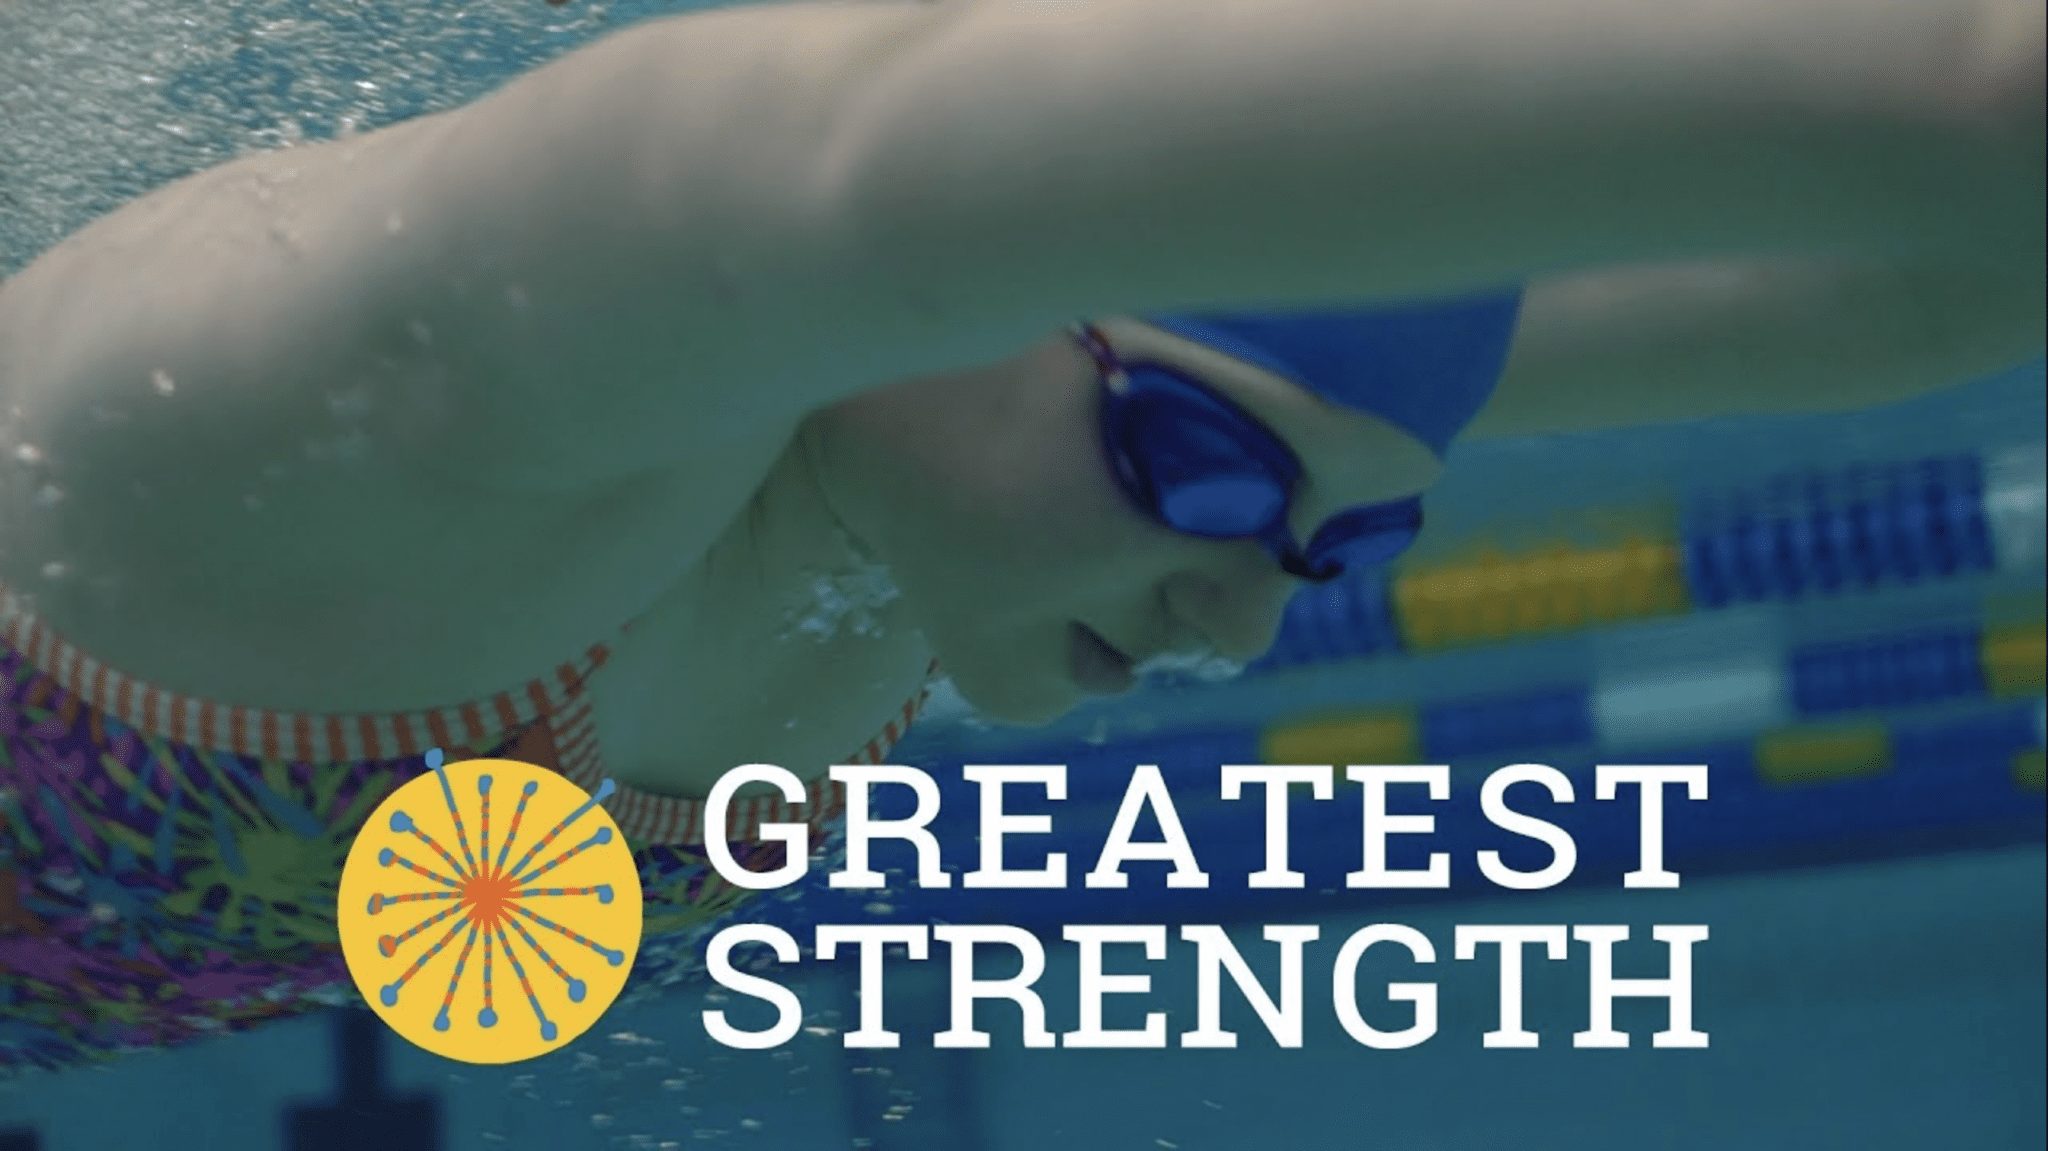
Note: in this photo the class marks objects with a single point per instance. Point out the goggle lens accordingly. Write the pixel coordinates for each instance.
(1205, 468)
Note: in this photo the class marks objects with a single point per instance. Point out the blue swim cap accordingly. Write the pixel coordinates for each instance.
(1426, 368)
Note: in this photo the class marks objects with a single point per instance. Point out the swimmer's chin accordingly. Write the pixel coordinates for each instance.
(1019, 708)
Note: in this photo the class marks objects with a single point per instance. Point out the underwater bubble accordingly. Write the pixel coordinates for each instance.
(162, 382)
(394, 223)
(28, 454)
(1198, 667)
(49, 496)
(56, 570)
(840, 602)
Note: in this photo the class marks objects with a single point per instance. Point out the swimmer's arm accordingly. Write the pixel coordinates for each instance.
(619, 263)
(662, 250)
(1172, 153)
(1674, 342)
(309, 401)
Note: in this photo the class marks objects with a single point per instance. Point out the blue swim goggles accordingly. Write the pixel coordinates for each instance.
(1203, 466)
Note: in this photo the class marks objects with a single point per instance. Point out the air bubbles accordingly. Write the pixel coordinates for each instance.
(845, 602)
(49, 496)
(1197, 667)
(394, 222)
(162, 384)
(104, 101)
(28, 454)
(56, 571)
(349, 404)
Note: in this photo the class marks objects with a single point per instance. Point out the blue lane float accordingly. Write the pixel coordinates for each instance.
(1802, 535)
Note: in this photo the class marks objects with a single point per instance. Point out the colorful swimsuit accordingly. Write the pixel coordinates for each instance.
(168, 866)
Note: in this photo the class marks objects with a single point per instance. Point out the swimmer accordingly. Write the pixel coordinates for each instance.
(689, 400)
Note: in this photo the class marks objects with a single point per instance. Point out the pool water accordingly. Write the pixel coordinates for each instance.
(1875, 993)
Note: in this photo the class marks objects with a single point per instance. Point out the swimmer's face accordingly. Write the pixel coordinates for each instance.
(1036, 581)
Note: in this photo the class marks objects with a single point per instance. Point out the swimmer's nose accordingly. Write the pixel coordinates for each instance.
(1239, 618)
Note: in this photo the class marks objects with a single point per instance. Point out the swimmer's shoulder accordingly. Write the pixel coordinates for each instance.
(432, 390)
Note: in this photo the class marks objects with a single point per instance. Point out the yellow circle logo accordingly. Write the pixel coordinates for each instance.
(483, 945)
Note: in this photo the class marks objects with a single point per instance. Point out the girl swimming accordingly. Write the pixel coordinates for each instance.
(689, 400)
